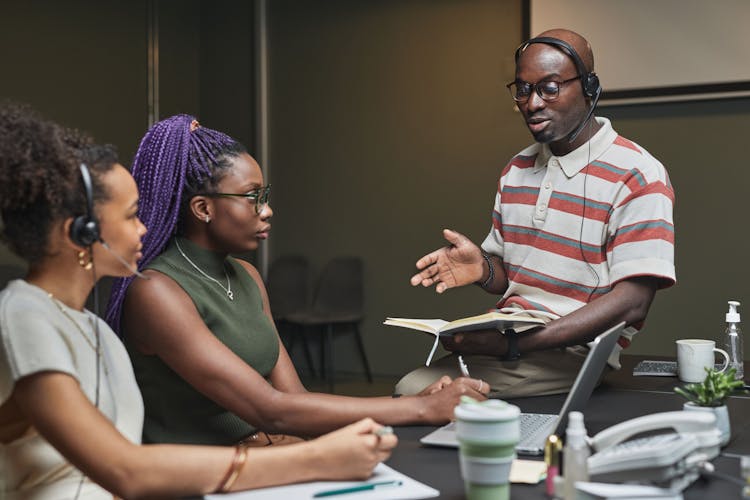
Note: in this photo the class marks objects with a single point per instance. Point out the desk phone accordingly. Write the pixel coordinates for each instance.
(671, 459)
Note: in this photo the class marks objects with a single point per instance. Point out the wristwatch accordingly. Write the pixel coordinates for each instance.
(512, 353)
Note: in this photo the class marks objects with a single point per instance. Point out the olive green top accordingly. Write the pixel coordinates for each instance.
(175, 411)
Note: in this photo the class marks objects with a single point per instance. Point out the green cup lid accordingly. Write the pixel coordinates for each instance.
(490, 410)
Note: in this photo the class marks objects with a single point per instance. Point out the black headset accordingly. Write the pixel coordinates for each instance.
(84, 230)
(590, 85)
(589, 80)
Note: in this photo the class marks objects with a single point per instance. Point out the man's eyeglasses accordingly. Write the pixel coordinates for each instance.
(548, 90)
(258, 196)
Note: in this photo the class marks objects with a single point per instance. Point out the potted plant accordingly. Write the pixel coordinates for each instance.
(711, 395)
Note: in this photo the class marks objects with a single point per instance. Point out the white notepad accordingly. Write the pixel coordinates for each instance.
(409, 488)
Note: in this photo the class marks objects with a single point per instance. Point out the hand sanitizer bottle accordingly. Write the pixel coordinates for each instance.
(575, 455)
(733, 340)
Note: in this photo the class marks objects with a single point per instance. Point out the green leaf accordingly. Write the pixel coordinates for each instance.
(714, 390)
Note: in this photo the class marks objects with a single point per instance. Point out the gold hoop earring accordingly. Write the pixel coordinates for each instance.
(87, 265)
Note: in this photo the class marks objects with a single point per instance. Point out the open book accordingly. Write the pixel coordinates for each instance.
(518, 321)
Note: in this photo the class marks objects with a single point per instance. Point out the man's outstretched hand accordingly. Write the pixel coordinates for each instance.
(457, 264)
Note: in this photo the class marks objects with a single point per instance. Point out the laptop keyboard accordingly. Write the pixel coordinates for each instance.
(535, 427)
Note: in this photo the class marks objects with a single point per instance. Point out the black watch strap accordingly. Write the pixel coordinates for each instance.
(512, 353)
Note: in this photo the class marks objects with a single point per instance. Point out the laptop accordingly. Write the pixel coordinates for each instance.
(535, 427)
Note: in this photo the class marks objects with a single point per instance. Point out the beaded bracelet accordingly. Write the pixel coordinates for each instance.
(491, 267)
(238, 461)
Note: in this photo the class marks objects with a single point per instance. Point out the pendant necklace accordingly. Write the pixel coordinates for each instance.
(227, 289)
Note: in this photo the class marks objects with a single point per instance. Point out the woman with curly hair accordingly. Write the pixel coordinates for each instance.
(71, 416)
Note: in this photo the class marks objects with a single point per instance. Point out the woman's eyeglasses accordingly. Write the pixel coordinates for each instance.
(259, 197)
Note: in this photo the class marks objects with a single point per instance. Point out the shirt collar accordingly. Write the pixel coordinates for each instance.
(576, 160)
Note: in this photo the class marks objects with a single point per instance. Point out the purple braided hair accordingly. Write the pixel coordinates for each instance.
(175, 160)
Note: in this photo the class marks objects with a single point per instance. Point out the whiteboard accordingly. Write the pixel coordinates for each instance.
(658, 50)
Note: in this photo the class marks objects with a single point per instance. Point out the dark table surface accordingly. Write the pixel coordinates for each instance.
(620, 397)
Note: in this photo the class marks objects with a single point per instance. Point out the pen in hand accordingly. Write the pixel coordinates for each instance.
(462, 366)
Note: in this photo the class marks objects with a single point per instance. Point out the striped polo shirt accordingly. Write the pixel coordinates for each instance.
(569, 228)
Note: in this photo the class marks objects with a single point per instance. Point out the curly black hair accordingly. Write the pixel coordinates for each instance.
(40, 182)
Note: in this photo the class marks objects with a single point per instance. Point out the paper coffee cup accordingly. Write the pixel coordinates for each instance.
(487, 434)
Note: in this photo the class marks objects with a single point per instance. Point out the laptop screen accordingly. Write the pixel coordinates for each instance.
(589, 374)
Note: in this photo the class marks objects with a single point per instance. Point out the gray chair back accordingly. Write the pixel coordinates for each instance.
(288, 285)
(341, 288)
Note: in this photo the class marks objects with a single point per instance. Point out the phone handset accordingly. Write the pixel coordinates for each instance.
(670, 460)
(680, 421)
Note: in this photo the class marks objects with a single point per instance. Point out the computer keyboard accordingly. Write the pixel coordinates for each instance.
(535, 427)
(655, 369)
(651, 368)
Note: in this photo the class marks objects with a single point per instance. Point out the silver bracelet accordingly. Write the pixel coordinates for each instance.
(491, 277)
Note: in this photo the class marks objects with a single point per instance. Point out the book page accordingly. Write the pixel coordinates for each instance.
(491, 320)
(424, 325)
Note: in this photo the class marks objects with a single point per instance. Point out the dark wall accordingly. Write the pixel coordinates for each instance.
(227, 68)
(80, 62)
(84, 63)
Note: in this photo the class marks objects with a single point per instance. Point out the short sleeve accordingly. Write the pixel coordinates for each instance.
(641, 232)
(493, 243)
(30, 342)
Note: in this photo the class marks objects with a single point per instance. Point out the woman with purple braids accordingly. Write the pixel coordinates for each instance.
(70, 412)
(206, 353)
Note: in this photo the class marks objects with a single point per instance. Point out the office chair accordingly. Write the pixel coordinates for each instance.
(288, 285)
(338, 303)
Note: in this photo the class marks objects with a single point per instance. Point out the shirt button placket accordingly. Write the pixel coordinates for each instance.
(545, 192)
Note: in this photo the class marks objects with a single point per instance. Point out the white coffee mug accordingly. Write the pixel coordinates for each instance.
(694, 356)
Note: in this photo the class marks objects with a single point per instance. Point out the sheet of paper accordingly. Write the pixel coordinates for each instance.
(527, 471)
(408, 489)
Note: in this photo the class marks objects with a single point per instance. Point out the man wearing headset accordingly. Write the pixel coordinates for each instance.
(581, 230)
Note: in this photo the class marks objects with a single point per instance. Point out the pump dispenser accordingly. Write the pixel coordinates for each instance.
(733, 340)
(575, 455)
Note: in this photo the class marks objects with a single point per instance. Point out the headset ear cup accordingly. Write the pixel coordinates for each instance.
(590, 84)
(84, 231)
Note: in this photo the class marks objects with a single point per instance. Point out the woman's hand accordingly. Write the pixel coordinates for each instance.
(352, 452)
(443, 395)
(436, 386)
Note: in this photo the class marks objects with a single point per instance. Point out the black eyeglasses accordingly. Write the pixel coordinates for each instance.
(548, 90)
(258, 196)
